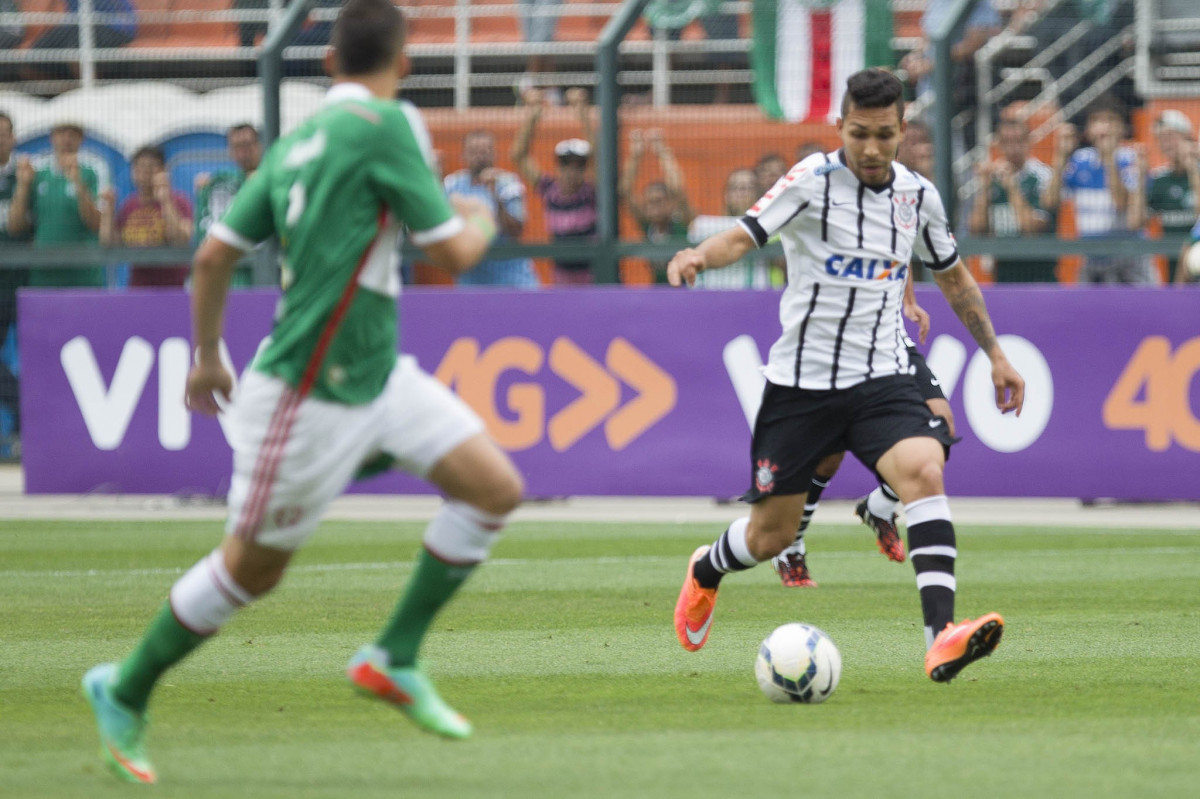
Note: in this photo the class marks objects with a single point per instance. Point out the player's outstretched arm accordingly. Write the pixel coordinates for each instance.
(712, 253)
(212, 268)
(964, 296)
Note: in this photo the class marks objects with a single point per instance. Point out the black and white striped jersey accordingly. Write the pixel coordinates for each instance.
(848, 246)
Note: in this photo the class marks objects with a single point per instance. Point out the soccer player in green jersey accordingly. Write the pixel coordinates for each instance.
(327, 394)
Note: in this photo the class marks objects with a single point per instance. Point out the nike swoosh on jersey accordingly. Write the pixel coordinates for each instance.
(933, 381)
(932, 423)
(696, 636)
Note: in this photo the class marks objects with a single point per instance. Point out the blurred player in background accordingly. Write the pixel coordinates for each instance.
(326, 394)
(837, 378)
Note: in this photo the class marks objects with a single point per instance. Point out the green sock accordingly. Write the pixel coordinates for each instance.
(165, 643)
(431, 586)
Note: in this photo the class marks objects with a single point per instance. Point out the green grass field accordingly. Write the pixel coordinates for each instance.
(562, 653)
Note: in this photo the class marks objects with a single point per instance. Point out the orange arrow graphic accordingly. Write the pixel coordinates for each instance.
(599, 394)
(656, 393)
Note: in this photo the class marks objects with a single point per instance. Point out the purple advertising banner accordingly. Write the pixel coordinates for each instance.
(625, 392)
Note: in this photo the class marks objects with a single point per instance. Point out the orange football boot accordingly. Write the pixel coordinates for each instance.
(961, 644)
(694, 608)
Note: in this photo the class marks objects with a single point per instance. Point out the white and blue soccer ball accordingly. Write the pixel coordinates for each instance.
(798, 663)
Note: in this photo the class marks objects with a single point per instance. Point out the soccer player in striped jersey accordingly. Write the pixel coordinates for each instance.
(878, 509)
(837, 378)
(327, 395)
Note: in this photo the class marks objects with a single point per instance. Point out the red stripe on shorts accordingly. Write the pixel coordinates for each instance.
(285, 414)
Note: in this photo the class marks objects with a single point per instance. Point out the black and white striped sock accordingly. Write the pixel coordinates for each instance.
(931, 546)
(729, 553)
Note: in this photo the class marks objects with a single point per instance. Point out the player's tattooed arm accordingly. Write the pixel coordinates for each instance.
(965, 298)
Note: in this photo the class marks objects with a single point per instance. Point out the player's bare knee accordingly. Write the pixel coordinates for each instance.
(767, 541)
(928, 480)
(257, 580)
(256, 569)
(504, 495)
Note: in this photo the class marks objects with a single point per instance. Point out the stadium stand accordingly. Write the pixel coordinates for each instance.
(158, 30)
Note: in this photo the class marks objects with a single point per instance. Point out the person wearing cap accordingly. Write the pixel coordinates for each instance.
(504, 194)
(1009, 201)
(56, 199)
(569, 195)
(1102, 179)
(1172, 188)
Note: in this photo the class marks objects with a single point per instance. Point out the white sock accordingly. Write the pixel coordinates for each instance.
(881, 505)
(797, 548)
(461, 533)
(207, 597)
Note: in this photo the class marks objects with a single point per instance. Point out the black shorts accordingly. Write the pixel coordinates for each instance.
(927, 384)
(798, 427)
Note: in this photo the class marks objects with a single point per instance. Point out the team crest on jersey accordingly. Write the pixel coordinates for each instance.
(764, 476)
(906, 210)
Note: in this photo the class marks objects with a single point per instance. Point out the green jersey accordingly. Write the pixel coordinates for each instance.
(214, 198)
(1169, 195)
(1002, 218)
(338, 192)
(54, 206)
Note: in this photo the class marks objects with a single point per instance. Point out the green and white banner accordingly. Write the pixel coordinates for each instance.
(804, 50)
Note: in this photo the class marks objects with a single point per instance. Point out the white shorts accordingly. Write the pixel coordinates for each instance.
(292, 457)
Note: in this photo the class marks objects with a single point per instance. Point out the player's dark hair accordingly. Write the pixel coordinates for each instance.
(150, 151)
(873, 88)
(238, 128)
(367, 35)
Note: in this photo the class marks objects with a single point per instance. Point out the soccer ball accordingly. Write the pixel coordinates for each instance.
(1191, 261)
(798, 663)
